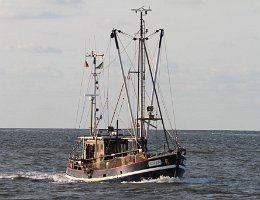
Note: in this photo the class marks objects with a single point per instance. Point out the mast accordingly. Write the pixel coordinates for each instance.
(141, 137)
(93, 125)
(141, 70)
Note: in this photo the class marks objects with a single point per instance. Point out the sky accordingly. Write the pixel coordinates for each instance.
(212, 45)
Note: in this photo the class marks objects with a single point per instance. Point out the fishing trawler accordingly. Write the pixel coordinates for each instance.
(114, 153)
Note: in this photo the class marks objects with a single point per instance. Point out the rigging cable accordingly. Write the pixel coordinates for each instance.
(166, 111)
(108, 78)
(131, 66)
(153, 34)
(131, 62)
(126, 34)
(84, 104)
(171, 92)
(167, 114)
(82, 114)
(121, 51)
(80, 91)
(117, 104)
(120, 107)
(152, 63)
(156, 96)
(129, 71)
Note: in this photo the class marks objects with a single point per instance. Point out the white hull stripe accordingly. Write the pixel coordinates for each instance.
(123, 175)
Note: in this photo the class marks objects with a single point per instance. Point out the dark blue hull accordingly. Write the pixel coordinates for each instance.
(151, 168)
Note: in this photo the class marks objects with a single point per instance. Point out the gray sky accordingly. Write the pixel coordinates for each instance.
(213, 50)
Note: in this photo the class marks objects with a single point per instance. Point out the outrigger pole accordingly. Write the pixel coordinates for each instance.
(114, 35)
(156, 70)
(157, 99)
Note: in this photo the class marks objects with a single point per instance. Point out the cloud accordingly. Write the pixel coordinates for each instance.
(33, 48)
(30, 15)
(41, 9)
(2, 71)
(43, 72)
(188, 2)
(67, 2)
(256, 11)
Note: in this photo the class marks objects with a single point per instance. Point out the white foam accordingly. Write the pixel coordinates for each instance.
(167, 179)
(8, 176)
(61, 178)
(162, 179)
(34, 175)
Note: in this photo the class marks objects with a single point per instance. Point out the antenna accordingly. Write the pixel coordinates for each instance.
(142, 10)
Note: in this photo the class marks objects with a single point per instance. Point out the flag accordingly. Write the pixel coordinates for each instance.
(100, 66)
(86, 64)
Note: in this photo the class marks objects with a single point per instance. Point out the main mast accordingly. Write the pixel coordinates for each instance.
(140, 134)
(141, 69)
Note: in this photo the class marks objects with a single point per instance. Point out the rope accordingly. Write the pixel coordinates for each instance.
(117, 104)
(126, 34)
(113, 60)
(164, 105)
(82, 114)
(84, 104)
(80, 91)
(156, 96)
(153, 34)
(108, 78)
(120, 107)
(171, 92)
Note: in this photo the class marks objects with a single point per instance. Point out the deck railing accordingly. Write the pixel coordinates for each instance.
(105, 157)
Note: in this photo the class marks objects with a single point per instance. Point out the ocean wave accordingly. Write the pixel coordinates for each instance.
(161, 179)
(167, 179)
(205, 180)
(37, 176)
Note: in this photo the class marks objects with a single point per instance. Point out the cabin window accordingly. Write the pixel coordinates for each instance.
(90, 149)
(124, 147)
(115, 146)
(111, 147)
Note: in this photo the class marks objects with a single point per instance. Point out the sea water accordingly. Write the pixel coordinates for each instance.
(220, 165)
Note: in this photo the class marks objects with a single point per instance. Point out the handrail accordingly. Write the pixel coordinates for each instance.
(110, 155)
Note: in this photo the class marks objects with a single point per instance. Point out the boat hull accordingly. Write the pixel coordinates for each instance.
(149, 169)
